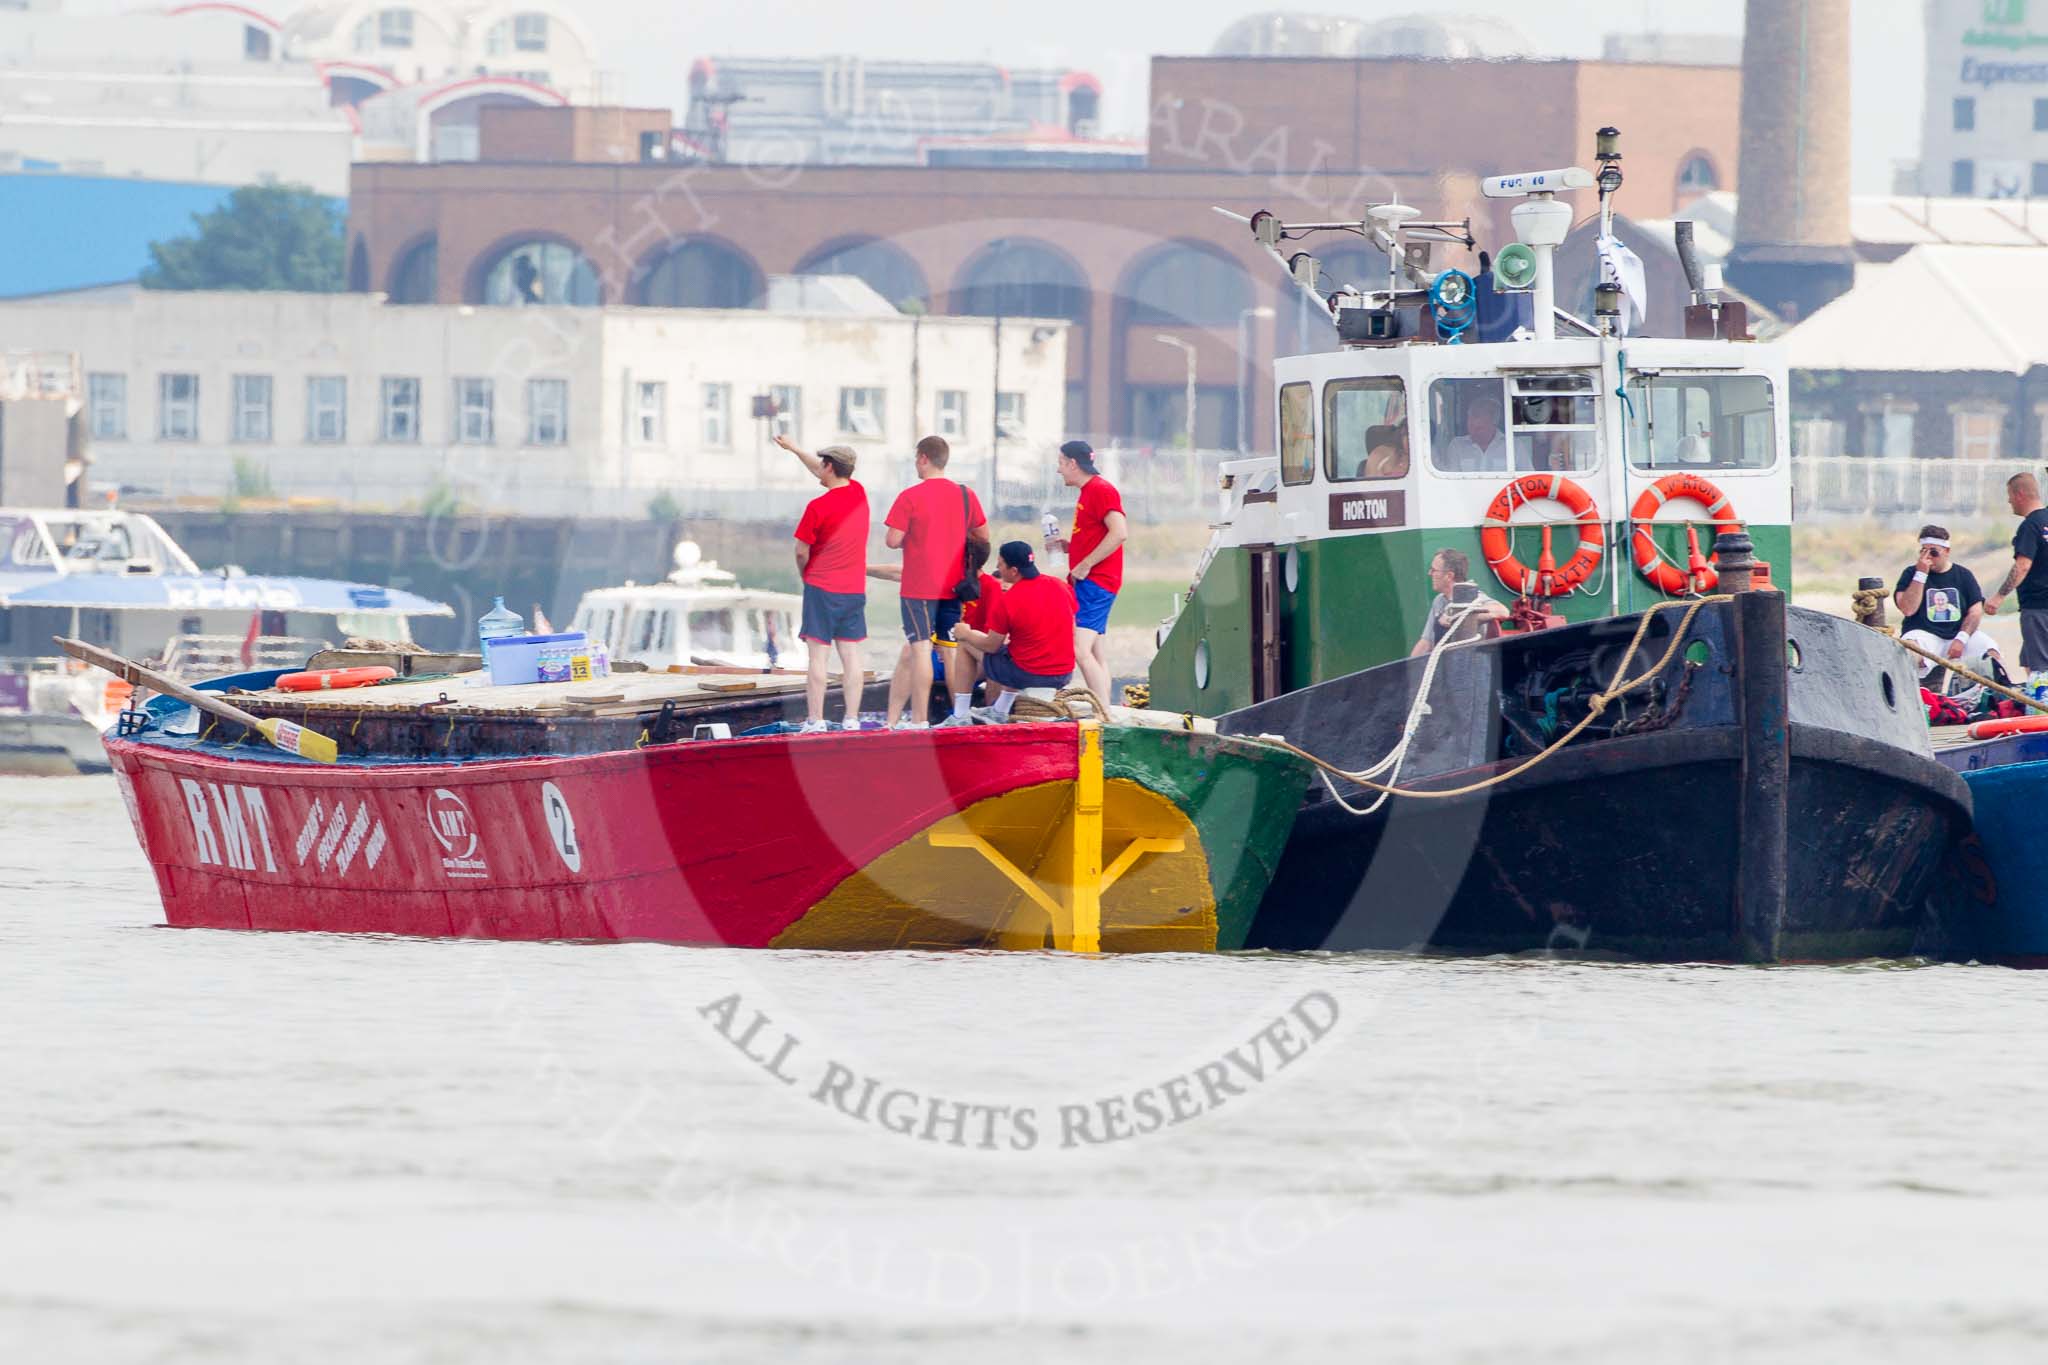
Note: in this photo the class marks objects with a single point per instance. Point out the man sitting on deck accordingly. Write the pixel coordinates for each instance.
(1030, 637)
(1943, 608)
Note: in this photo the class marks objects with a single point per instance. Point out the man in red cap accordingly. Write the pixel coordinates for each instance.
(1095, 559)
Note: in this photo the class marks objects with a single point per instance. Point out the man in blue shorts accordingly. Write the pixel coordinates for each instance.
(1095, 560)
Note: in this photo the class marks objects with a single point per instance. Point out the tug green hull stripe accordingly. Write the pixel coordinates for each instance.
(1359, 601)
(1241, 799)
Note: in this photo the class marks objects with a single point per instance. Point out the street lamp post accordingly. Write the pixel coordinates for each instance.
(1244, 365)
(1188, 349)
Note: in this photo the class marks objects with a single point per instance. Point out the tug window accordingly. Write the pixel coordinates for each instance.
(1701, 421)
(1552, 418)
(1365, 430)
(1297, 433)
(1528, 423)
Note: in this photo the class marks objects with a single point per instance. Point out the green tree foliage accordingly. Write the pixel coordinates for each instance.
(263, 237)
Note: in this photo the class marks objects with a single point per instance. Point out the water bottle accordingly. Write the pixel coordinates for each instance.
(500, 620)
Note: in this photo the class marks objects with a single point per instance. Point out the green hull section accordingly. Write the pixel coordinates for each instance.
(1241, 798)
(1359, 601)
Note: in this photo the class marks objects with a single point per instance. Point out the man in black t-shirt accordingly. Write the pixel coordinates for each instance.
(1943, 606)
(2029, 574)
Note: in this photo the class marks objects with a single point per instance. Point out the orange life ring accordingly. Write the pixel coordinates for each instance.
(1661, 573)
(1547, 579)
(2009, 725)
(331, 679)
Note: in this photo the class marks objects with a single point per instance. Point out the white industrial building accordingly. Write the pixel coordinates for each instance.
(345, 397)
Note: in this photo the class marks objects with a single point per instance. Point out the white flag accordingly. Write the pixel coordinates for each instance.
(1625, 268)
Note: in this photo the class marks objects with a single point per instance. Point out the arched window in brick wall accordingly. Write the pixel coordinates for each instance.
(699, 273)
(1018, 277)
(417, 276)
(540, 272)
(1181, 284)
(886, 267)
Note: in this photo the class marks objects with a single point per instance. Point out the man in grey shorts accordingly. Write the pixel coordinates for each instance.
(2029, 575)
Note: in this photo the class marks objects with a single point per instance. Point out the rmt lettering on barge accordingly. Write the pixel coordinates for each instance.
(230, 825)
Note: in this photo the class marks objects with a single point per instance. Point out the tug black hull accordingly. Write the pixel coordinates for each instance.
(1708, 829)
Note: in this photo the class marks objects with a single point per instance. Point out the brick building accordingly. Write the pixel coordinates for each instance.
(1128, 256)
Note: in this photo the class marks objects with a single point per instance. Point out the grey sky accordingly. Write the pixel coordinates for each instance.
(650, 44)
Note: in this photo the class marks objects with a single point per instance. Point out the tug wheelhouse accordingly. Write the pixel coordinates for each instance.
(1581, 475)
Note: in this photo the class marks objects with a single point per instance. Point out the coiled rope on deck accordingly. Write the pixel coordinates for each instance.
(1615, 690)
(1059, 708)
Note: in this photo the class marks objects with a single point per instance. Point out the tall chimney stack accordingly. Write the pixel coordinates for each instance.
(1792, 249)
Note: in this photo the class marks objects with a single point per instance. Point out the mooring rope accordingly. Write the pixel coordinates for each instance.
(1616, 689)
(1418, 709)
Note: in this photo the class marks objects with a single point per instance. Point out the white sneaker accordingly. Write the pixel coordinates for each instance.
(850, 725)
(911, 725)
(813, 727)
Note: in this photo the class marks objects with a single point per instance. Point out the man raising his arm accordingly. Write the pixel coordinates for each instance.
(832, 557)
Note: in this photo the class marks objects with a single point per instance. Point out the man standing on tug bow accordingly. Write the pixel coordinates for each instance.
(2029, 575)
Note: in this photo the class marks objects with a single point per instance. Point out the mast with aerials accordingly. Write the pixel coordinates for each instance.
(1466, 410)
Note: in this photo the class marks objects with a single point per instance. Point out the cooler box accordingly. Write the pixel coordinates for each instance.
(516, 658)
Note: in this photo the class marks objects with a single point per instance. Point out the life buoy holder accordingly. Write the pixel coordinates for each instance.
(334, 679)
(1548, 578)
(1699, 574)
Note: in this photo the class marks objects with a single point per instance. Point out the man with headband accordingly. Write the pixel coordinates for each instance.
(1943, 607)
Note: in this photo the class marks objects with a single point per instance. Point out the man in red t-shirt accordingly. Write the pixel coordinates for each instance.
(931, 522)
(1095, 559)
(1030, 637)
(832, 557)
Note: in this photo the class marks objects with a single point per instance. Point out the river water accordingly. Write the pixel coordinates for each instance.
(228, 1147)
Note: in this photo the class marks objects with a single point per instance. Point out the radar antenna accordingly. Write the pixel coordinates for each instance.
(1399, 231)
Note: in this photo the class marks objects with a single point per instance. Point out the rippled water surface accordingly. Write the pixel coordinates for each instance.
(229, 1147)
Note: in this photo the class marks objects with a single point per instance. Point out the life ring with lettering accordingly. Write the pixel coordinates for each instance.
(1699, 574)
(1548, 578)
(334, 679)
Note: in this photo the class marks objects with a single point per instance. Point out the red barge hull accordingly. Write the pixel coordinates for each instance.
(991, 836)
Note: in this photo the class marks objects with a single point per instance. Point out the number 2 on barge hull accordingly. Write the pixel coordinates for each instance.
(1397, 447)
